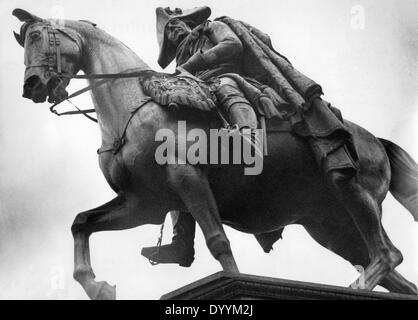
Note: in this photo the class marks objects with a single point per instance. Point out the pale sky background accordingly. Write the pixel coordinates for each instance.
(49, 170)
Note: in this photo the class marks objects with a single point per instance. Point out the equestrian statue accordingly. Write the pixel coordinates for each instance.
(319, 170)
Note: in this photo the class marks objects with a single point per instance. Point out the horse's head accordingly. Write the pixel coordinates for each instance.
(51, 49)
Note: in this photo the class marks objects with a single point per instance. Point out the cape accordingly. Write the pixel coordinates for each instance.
(322, 124)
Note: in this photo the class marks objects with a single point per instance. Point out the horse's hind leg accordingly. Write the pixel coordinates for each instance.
(366, 214)
(346, 241)
(191, 184)
(118, 214)
(395, 282)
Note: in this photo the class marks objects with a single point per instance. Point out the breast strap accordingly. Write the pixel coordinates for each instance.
(119, 142)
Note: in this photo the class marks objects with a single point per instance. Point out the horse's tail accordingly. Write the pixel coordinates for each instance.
(404, 180)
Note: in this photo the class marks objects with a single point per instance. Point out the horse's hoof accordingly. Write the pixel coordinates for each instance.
(357, 285)
(105, 291)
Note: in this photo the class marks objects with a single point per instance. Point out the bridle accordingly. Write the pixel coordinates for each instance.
(55, 70)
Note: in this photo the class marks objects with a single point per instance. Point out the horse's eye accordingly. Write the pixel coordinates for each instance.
(35, 35)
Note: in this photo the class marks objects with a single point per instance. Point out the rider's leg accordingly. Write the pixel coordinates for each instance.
(181, 249)
(235, 105)
(239, 111)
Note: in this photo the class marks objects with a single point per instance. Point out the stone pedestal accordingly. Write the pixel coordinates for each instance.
(229, 286)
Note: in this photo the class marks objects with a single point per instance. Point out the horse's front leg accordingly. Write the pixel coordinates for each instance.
(118, 214)
(191, 184)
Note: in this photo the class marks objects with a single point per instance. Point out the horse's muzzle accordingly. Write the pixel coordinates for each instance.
(35, 90)
(56, 90)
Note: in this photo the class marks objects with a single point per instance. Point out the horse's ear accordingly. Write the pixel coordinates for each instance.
(19, 39)
(25, 16)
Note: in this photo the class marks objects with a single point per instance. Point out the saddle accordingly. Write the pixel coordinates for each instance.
(180, 91)
(188, 92)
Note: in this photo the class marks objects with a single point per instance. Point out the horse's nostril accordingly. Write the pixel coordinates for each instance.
(27, 93)
(30, 84)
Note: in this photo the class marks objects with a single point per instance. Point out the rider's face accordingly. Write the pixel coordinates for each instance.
(176, 31)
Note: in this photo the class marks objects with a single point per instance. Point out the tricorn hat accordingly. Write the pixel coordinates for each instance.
(164, 15)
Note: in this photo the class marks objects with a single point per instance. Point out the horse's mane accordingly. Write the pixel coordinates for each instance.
(85, 27)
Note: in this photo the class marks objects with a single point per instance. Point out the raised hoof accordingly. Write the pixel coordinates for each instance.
(104, 292)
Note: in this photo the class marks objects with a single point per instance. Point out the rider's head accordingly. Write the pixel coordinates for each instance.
(176, 30)
(173, 26)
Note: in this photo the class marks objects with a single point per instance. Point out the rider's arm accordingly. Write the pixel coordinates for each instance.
(227, 47)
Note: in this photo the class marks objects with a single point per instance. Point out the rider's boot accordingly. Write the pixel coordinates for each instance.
(243, 118)
(239, 111)
(181, 249)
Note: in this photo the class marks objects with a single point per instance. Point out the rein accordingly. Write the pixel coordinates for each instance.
(103, 77)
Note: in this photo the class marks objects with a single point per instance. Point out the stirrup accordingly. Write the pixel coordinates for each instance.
(233, 129)
(253, 141)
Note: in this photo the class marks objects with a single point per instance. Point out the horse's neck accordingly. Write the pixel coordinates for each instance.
(113, 100)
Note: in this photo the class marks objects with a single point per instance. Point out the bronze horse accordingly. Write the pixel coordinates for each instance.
(290, 189)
